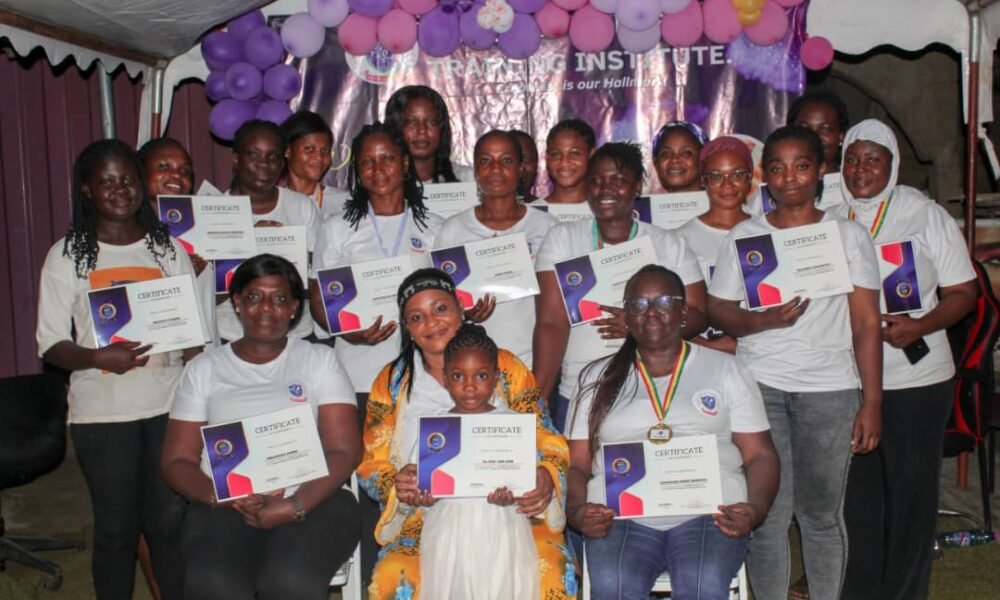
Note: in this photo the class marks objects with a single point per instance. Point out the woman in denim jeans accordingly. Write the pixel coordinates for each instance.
(660, 388)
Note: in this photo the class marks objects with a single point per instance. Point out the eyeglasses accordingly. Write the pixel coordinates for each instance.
(715, 178)
(663, 304)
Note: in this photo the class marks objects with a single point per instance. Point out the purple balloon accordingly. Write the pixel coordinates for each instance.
(243, 81)
(526, 6)
(215, 86)
(282, 82)
(227, 116)
(370, 8)
(522, 39)
(263, 48)
(473, 35)
(274, 111)
(221, 49)
(302, 35)
(329, 13)
(437, 33)
(638, 15)
(244, 24)
(638, 42)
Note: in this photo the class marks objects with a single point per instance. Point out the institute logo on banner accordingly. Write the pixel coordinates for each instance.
(706, 402)
(296, 392)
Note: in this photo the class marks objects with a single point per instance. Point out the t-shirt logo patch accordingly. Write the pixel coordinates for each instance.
(297, 392)
(416, 244)
(706, 402)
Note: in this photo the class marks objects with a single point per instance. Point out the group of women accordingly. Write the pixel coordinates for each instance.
(815, 407)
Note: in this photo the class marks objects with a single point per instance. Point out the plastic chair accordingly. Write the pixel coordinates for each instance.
(738, 587)
(348, 576)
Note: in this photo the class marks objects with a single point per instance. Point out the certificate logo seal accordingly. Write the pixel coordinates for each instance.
(621, 466)
(436, 441)
(297, 392)
(223, 447)
(335, 288)
(107, 311)
(174, 215)
(574, 279)
(904, 289)
(449, 267)
(706, 402)
(754, 258)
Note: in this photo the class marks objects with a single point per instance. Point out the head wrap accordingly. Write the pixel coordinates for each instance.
(697, 132)
(873, 130)
(422, 280)
(726, 143)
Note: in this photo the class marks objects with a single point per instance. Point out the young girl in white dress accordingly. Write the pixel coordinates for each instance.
(459, 533)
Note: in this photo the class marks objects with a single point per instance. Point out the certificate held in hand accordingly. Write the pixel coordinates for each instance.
(897, 266)
(447, 199)
(210, 226)
(807, 261)
(586, 282)
(499, 266)
(472, 455)
(161, 312)
(261, 454)
(287, 241)
(670, 211)
(354, 296)
(565, 211)
(681, 478)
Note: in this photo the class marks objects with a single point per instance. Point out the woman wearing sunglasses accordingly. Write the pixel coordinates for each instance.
(660, 388)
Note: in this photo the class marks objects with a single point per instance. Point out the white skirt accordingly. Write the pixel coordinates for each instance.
(473, 550)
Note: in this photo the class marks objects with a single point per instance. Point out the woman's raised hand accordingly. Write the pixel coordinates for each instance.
(373, 335)
(482, 309)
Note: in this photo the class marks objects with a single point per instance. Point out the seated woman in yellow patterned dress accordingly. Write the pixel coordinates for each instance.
(410, 387)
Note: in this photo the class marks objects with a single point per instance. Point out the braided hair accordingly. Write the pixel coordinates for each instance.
(81, 237)
(356, 207)
(608, 386)
(471, 337)
(627, 156)
(396, 105)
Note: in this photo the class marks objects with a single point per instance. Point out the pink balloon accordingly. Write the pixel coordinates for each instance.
(638, 42)
(591, 30)
(605, 6)
(417, 7)
(302, 35)
(721, 22)
(816, 53)
(771, 27)
(358, 34)
(552, 20)
(570, 4)
(638, 15)
(789, 3)
(329, 13)
(522, 39)
(397, 31)
(683, 29)
(669, 7)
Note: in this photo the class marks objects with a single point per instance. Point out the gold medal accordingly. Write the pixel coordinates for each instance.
(660, 433)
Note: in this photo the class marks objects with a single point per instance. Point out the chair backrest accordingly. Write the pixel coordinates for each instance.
(32, 427)
(972, 342)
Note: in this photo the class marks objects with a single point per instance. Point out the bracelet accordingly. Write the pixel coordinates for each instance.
(300, 511)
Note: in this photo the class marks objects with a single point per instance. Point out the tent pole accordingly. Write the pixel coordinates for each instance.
(107, 95)
(972, 129)
(156, 114)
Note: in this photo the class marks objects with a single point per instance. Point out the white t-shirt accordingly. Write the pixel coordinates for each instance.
(816, 354)
(942, 260)
(218, 386)
(511, 323)
(292, 208)
(715, 396)
(332, 198)
(340, 244)
(569, 240)
(704, 241)
(831, 199)
(63, 309)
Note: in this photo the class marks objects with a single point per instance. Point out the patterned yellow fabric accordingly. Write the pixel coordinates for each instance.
(397, 573)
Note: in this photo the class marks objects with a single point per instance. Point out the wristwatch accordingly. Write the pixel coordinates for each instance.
(300, 511)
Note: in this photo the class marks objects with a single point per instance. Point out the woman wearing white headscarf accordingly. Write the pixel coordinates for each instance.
(928, 284)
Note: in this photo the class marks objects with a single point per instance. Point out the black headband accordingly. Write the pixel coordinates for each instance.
(431, 281)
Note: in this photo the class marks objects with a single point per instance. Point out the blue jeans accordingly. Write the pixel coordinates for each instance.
(701, 560)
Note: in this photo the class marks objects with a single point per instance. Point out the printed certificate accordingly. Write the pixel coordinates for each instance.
(586, 282)
(264, 453)
(287, 241)
(670, 211)
(472, 455)
(209, 226)
(162, 312)
(807, 261)
(355, 295)
(447, 199)
(499, 266)
(576, 211)
(679, 478)
(897, 266)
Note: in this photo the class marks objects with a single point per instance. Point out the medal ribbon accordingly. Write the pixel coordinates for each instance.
(599, 242)
(399, 234)
(662, 406)
(883, 210)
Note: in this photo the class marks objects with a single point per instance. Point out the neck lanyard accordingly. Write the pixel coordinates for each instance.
(876, 226)
(399, 233)
(661, 432)
(599, 241)
(319, 195)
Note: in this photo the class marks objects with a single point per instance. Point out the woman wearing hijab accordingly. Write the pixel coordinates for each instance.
(892, 494)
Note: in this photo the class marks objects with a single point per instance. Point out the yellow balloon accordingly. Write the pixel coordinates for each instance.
(749, 18)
